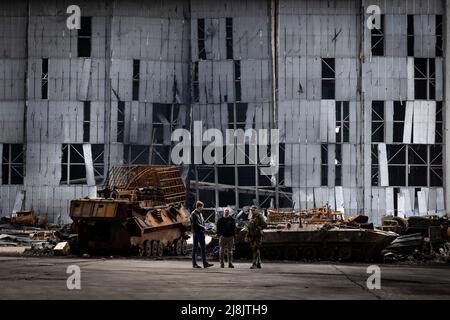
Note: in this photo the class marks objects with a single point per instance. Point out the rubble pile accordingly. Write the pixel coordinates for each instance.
(39, 241)
(423, 239)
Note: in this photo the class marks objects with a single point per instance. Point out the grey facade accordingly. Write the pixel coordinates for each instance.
(361, 112)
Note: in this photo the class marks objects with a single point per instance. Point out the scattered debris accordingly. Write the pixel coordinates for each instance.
(61, 249)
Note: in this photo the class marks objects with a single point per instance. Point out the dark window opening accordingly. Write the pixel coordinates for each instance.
(399, 121)
(201, 39)
(44, 79)
(246, 175)
(84, 37)
(396, 153)
(86, 120)
(338, 165)
(377, 121)
(195, 83)
(120, 121)
(136, 66)
(397, 175)
(229, 37)
(410, 35)
(237, 114)
(12, 164)
(324, 165)
(328, 78)
(160, 154)
(98, 158)
(396, 157)
(237, 80)
(424, 78)
(417, 154)
(375, 166)
(164, 122)
(73, 167)
(417, 176)
(377, 39)
(136, 154)
(438, 35)
(342, 121)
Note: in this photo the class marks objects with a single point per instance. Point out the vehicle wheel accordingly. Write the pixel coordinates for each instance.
(184, 247)
(309, 253)
(345, 253)
(327, 254)
(272, 253)
(148, 248)
(290, 253)
(160, 249)
(178, 247)
(154, 247)
(141, 250)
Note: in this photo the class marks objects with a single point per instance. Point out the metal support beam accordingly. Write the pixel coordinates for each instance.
(446, 36)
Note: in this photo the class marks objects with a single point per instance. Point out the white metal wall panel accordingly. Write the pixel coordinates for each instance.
(89, 165)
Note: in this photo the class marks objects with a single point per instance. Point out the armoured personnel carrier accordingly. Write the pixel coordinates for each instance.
(318, 234)
(140, 211)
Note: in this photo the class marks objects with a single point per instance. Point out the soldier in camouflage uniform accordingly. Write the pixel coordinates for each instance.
(254, 235)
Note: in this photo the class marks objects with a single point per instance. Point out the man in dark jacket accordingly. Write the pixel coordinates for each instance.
(226, 228)
(198, 230)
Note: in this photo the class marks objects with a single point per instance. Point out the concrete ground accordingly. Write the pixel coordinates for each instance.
(46, 278)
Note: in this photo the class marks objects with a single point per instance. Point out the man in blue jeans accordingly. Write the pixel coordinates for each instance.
(198, 230)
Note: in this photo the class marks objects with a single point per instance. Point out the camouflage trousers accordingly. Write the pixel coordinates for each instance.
(226, 244)
(255, 244)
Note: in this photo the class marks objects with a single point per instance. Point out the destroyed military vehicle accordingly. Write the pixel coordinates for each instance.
(140, 211)
(318, 234)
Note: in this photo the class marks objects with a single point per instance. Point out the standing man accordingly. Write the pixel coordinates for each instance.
(198, 230)
(226, 229)
(255, 228)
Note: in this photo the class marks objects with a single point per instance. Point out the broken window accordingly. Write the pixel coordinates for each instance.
(136, 154)
(120, 121)
(84, 37)
(73, 166)
(417, 159)
(136, 66)
(98, 158)
(436, 173)
(338, 165)
(86, 120)
(342, 121)
(201, 39)
(410, 35)
(438, 35)
(237, 115)
(324, 165)
(424, 78)
(410, 165)
(12, 164)
(237, 80)
(377, 39)
(398, 121)
(396, 157)
(377, 121)
(438, 135)
(328, 78)
(229, 37)
(164, 122)
(195, 83)
(44, 79)
(375, 166)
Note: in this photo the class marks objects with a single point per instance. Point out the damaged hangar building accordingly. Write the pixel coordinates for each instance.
(361, 112)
